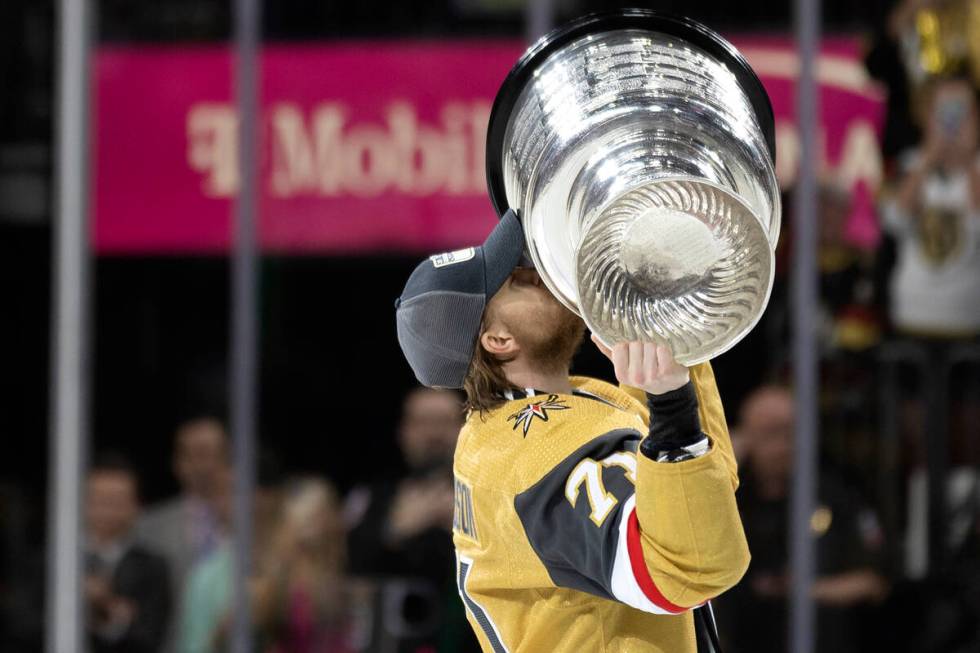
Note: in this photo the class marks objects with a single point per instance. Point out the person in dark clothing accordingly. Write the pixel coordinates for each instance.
(400, 528)
(405, 525)
(753, 616)
(127, 589)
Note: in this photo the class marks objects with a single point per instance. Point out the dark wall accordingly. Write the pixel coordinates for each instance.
(24, 351)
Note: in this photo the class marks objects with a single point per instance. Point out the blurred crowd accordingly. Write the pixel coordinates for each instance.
(897, 526)
(371, 571)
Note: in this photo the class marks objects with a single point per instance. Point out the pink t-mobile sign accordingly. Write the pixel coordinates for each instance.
(364, 146)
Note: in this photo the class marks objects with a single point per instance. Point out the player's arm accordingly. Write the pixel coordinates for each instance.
(712, 416)
(710, 412)
(594, 526)
(652, 524)
(690, 532)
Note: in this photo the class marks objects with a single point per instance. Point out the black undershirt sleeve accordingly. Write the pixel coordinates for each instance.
(674, 423)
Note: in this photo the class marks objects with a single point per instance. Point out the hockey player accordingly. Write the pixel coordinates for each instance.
(589, 517)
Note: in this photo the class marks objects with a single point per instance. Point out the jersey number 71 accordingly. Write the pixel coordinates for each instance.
(589, 473)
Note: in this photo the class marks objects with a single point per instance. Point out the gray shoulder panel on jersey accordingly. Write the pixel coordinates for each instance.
(578, 553)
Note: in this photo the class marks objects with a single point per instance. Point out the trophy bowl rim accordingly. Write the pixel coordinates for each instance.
(684, 28)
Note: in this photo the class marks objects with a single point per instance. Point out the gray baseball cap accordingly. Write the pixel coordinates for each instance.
(439, 312)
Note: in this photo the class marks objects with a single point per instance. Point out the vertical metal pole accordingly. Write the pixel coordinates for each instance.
(244, 315)
(805, 367)
(539, 18)
(69, 336)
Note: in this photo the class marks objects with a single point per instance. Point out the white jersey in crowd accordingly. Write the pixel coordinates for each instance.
(935, 287)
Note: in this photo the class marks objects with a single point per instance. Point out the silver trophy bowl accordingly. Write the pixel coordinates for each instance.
(638, 151)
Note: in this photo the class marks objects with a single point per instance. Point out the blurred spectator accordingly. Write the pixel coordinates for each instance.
(401, 526)
(915, 41)
(206, 594)
(303, 591)
(186, 528)
(127, 593)
(935, 218)
(846, 285)
(753, 615)
(205, 609)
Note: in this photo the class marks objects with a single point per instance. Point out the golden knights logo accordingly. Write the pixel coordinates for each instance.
(538, 409)
(942, 233)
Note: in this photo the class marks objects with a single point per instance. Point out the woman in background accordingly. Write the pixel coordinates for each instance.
(304, 593)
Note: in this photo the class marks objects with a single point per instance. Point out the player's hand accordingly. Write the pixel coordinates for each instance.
(645, 365)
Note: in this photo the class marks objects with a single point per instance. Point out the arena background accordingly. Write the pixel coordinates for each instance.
(334, 254)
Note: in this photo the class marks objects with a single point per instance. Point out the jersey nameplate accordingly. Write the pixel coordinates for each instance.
(464, 522)
(448, 258)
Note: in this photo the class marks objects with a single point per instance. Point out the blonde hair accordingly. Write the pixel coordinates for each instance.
(305, 498)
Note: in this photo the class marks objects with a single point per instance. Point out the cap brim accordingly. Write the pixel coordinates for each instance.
(502, 251)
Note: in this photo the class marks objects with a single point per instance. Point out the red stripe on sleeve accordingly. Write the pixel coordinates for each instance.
(640, 571)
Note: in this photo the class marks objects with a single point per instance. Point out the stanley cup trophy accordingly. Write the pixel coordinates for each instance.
(638, 150)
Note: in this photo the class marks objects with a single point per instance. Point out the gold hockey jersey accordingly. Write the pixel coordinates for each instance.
(569, 541)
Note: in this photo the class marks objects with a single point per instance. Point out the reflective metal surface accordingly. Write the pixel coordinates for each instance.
(646, 189)
(682, 262)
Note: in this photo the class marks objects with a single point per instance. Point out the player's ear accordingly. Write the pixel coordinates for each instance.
(499, 342)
